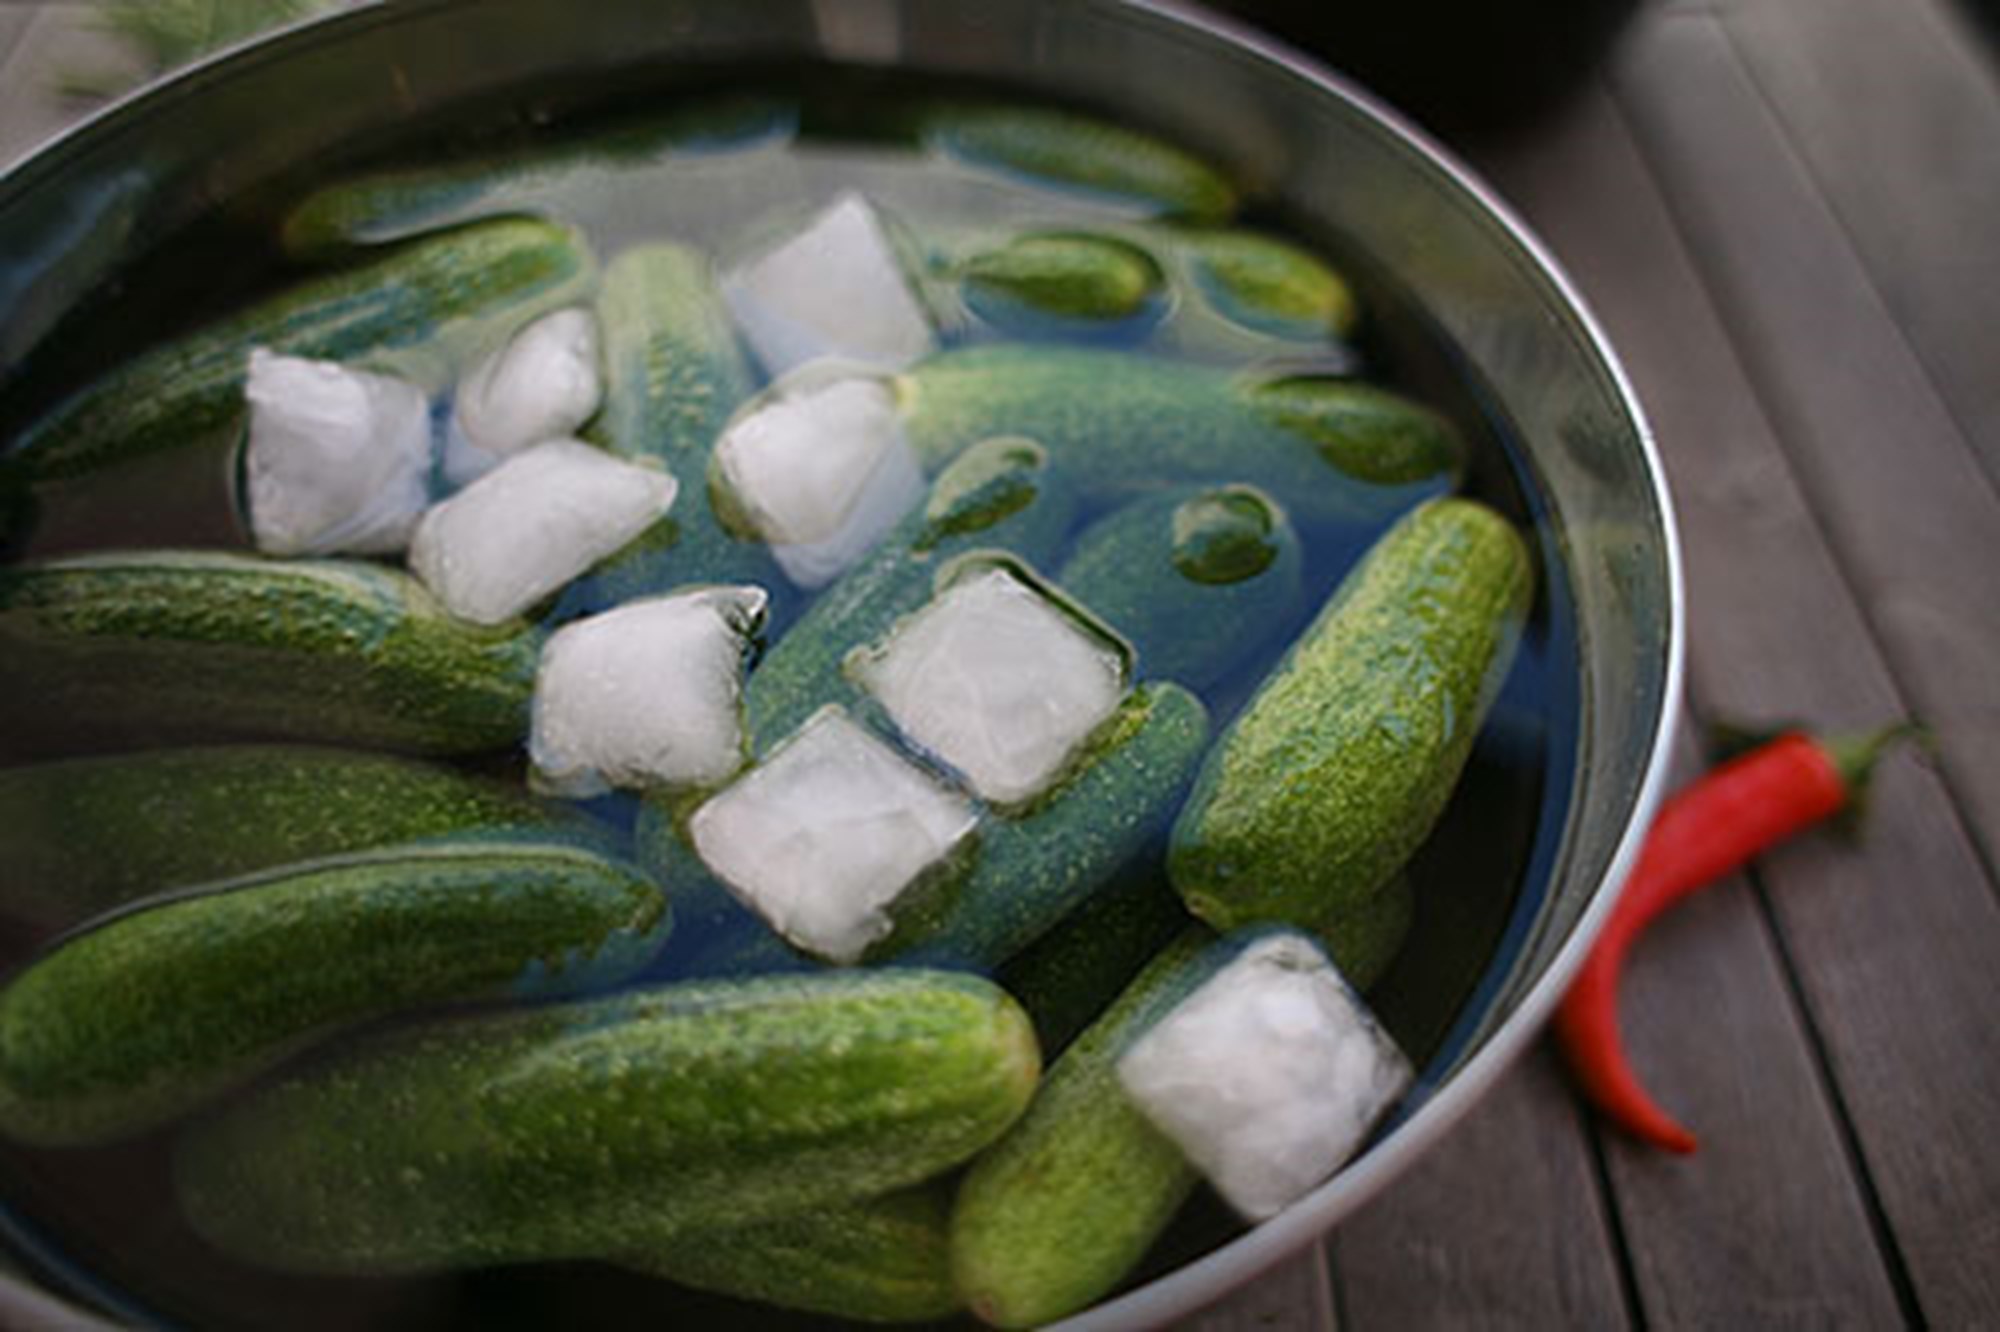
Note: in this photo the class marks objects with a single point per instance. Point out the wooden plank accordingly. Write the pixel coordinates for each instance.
(1501, 1226)
(1911, 514)
(1290, 1298)
(1895, 111)
(1893, 944)
(1754, 1227)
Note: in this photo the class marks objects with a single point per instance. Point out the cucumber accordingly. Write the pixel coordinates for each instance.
(1054, 1215)
(1066, 274)
(999, 494)
(1267, 284)
(1066, 978)
(673, 375)
(86, 835)
(1065, 149)
(1196, 580)
(437, 295)
(1116, 424)
(880, 1260)
(611, 1127)
(398, 202)
(1022, 874)
(1363, 938)
(143, 647)
(150, 1012)
(1031, 870)
(1340, 765)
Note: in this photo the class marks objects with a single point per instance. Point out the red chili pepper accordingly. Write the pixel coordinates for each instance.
(1702, 832)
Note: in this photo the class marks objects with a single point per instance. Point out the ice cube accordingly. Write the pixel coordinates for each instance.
(646, 695)
(531, 525)
(542, 385)
(1268, 1076)
(827, 832)
(338, 460)
(834, 288)
(818, 465)
(996, 679)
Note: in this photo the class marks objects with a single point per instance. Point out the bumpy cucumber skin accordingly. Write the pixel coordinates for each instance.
(1185, 630)
(803, 671)
(391, 204)
(153, 1011)
(192, 388)
(163, 646)
(1338, 768)
(1077, 151)
(674, 372)
(1368, 432)
(1030, 871)
(880, 1260)
(1266, 283)
(1117, 424)
(1053, 1216)
(1071, 275)
(1067, 978)
(612, 1127)
(86, 835)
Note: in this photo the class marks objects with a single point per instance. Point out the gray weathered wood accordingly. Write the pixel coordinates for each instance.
(1896, 114)
(1906, 505)
(1290, 1298)
(1893, 944)
(1500, 1226)
(54, 43)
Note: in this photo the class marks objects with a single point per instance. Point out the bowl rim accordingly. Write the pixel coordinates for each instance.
(1231, 1265)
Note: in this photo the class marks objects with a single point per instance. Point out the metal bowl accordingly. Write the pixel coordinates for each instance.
(1317, 148)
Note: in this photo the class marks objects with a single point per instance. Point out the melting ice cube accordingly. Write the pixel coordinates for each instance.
(645, 695)
(997, 680)
(1268, 1076)
(531, 525)
(338, 460)
(819, 466)
(542, 385)
(834, 288)
(822, 836)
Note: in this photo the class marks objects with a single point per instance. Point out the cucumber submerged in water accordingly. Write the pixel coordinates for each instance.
(1338, 768)
(434, 293)
(86, 835)
(610, 1127)
(163, 646)
(1118, 424)
(149, 1013)
(1196, 580)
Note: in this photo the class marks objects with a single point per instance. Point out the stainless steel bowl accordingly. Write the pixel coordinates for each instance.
(1321, 149)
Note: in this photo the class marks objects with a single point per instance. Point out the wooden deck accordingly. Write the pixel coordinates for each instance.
(1784, 213)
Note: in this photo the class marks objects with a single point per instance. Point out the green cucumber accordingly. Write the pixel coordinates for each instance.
(674, 373)
(1056, 1213)
(612, 1127)
(1066, 978)
(1363, 938)
(1023, 873)
(1031, 870)
(880, 1260)
(999, 494)
(1080, 152)
(397, 202)
(163, 646)
(1340, 765)
(1066, 274)
(1116, 423)
(85, 835)
(433, 297)
(1267, 284)
(150, 1012)
(1196, 581)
